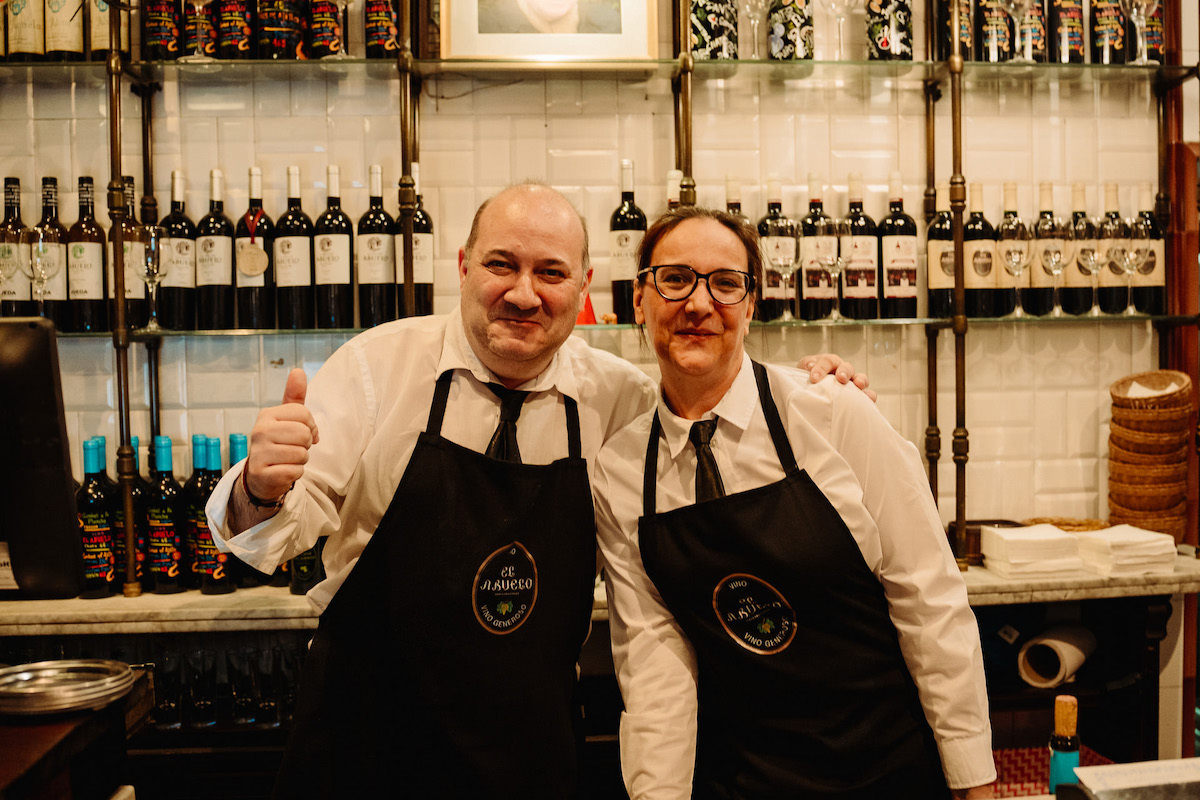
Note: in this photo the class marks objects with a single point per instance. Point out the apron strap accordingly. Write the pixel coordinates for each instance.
(650, 474)
(783, 448)
(574, 448)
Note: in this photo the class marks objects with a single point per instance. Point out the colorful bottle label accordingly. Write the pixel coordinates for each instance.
(889, 30)
(1067, 31)
(163, 547)
(1108, 32)
(234, 20)
(96, 532)
(326, 28)
(379, 24)
(714, 29)
(281, 28)
(790, 31)
(160, 26)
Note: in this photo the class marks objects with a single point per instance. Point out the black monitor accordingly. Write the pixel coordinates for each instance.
(38, 522)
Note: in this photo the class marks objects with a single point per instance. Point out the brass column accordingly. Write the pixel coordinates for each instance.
(408, 135)
(958, 201)
(682, 80)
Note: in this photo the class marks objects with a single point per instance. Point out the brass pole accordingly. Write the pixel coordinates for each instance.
(408, 194)
(933, 434)
(932, 95)
(683, 105)
(958, 202)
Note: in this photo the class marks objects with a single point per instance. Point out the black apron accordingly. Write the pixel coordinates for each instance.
(802, 689)
(445, 665)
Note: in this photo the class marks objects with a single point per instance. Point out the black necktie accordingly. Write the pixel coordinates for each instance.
(708, 478)
(503, 445)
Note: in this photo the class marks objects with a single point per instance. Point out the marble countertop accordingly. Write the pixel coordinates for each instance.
(274, 608)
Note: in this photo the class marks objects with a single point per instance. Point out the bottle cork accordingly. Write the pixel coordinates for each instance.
(1066, 715)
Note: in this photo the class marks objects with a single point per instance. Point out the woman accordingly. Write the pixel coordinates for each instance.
(805, 632)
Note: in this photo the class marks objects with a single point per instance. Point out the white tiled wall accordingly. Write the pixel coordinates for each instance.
(1038, 404)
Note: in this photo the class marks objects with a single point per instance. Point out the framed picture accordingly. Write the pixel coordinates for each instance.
(539, 30)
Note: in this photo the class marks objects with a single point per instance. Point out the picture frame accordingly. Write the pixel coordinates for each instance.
(508, 30)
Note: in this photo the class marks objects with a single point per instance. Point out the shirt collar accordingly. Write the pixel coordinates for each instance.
(457, 354)
(736, 408)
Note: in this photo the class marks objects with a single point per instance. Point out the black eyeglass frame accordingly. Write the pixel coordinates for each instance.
(700, 276)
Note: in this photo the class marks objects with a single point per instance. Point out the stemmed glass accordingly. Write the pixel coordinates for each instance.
(755, 10)
(154, 267)
(1055, 244)
(1014, 246)
(40, 259)
(1139, 11)
(834, 246)
(1017, 11)
(1087, 256)
(839, 9)
(197, 28)
(1124, 245)
(779, 245)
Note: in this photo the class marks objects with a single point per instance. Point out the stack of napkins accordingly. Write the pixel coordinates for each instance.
(1126, 550)
(1035, 550)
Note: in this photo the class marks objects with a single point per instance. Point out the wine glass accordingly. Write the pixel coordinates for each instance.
(755, 11)
(1124, 246)
(1054, 240)
(40, 258)
(1017, 10)
(1014, 246)
(154, 267)
(1087, 256)
(198, 29)
(779, 245)
(834, 246)
(1139, 11)
(839, 9)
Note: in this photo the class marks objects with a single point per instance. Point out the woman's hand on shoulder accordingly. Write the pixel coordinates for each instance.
(823, 364)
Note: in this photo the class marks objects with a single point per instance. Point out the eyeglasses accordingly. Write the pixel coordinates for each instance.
(677, 282)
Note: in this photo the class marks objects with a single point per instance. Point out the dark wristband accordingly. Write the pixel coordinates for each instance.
(258, 502)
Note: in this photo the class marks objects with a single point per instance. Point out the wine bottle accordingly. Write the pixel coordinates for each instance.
(1106, 27)
(1038, 299)
(92, 504)
(674, 188)
(898, 256)
(777, 239)
(375, 258)
(26, 31)
(714, 26)
(140, 490)
(162, 509)
(16, 293)
(1064, 742)
(979, 257)
(97, 29)
(177, 293)
(201, 30)
(422, 256)
(1067, 31)
(889, 30)
(161, 30)
(733, 199)
(191, 505)
(214, 261)
(86, 272)
(626, 227)
(281, 29)
(333, 258)
(1005, 298)
(1150, 282)
(136, 308)
(379, 29)
(860, 279)
(1112, 294)
(217, 575)
(1035, 39)
(306, 569)
(293, 247)
(235, 22)
(64, 31)
(789, 31)
(326, 28)
(253, 257)
(1076, 291)
(993, 32)
(817, 292)
(945, 28)
(57, 305)
(939, 262)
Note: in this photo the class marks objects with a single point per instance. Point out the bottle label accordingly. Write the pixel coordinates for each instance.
(714, 25)
(862, 269)
(96, 532)
(252, 263)
(815, 283)
(1068, 30)
(325, 28)
(995, 31)
(17, 286)
(622, 247)
(1040, 276)
(293, 264)
(133, 260)
(280, 30)
(160, 25)
(179, 257)
(214, 261)
(99, 26)
(1108, 32)
(26, 19)
(163, 547)
(939, 270)
(889, 29)
(85, 270)
(233, 20)
(64, 26)
(979, 258)
(201, 32)
(899, 266)
(376, 258)
(331, 258)
(789, 32)
(422, 258)
(1034, 38)
(55, 256)
(779, 253)
(379, 24)
(966, 33)
(1152, 271)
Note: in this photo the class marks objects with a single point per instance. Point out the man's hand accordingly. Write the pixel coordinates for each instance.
(819, 366)
(279, 442)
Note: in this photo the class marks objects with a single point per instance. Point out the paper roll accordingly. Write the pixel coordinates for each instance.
(1055, 656)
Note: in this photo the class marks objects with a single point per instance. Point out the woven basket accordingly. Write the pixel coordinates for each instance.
(1147, 443)
(1175, 526)
(1158, 379)
(1141, 474)
(1147, 497)
(1153, 420)
(1115, 507)
(1118, 454)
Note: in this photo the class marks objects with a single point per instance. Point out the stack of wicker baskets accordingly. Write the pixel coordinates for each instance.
(1148, 451)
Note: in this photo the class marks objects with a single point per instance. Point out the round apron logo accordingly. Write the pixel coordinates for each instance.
(754, 613)
(505, 589)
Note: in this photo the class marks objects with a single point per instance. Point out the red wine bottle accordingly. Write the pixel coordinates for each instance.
(939, 262)
(136, 309)
(326, 28)
(1106, 27)
(86, 273)
(57, 306)
(293, 246)
(1150, 282)
(234, 21)
(216, 574)
(64, 31)
(860, 279)
(16, 293)
(162, 28)
(422, 256)
(1038, 299)
(379, 29)
(93, 505)
(1076, 292)
(253, 260)
(626, 227)
(164, 546)
(214, 261)
(817, 292)
(777, 240)
(281, 26)
(375, 258)
(1067, 31)
(1005, 299)
(945, 28)
(177, 293)
(993, 32)
(190, 504)
(898, 256)
(333, 260)
(26, 31)
(979, 257)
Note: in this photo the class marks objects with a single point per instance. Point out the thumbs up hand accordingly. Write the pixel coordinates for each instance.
(279, 442)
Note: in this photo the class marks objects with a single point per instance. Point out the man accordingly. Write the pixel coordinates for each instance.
(461, 545)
